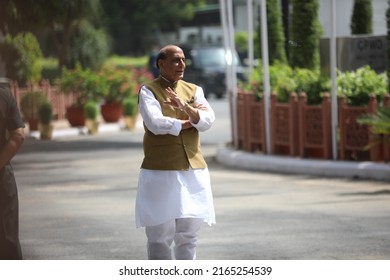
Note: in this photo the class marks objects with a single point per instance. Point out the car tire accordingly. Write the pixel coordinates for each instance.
(219, 95)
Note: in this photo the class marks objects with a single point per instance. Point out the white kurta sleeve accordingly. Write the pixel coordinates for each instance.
(207, 118)
(152, 116)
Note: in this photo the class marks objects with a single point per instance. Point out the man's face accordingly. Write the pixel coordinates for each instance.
(173, 66)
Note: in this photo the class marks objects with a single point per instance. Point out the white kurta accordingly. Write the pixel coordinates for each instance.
(164, 195)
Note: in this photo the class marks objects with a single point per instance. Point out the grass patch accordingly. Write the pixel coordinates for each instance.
(126, 61)
(50, 69)
(49, 62)
(51, 72)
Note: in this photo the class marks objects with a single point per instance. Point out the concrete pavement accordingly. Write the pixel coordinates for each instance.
(230, 157)
(77, 197)
(317, 167)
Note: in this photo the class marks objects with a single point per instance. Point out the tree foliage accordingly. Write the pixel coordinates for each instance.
(361, 21)
(89, 46)
(62, 24)
(128, 21)
(305, 34)
(21, 55)
(275, 32)
(61, 19)
(276, 38)
(388, 45)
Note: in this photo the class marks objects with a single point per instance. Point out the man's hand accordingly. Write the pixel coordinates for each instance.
(191, 111)
(185, 125)
(200, 106)
(15, 140)
(175, 101)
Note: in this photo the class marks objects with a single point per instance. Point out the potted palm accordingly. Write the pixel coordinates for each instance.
(91, 114)
(380, 128)
(45, 121)
(130, 111)
(29, 106)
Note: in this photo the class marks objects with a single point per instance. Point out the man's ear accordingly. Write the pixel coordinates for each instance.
(158, 63)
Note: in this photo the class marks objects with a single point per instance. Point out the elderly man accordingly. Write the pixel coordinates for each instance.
(11, 137)
(174, 196)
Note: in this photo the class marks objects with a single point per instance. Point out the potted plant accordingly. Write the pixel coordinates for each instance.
(359, 93)
(120, 85)
(29, 106)
(380, 128)
(85, 85)
(130, 111)
(91, 114)
(357, 86)
(45, 121)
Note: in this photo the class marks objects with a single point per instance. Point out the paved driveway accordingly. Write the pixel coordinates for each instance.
(77, 202)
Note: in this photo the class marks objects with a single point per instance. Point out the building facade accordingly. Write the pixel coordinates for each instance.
(206, 26)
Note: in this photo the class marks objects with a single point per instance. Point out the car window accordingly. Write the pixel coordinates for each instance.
(213, 57)
(210, 57)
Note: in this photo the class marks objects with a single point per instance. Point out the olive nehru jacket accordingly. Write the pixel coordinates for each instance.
(169, 152)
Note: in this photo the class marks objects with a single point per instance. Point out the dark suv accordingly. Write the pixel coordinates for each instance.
(206, 67)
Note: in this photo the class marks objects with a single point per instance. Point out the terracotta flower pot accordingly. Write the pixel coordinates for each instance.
(33, 124)
(75, 116)
(111, 112)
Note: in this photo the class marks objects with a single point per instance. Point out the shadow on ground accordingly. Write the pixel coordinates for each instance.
(33, 145)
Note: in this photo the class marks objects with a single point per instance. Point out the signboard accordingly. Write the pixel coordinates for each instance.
(354, 52)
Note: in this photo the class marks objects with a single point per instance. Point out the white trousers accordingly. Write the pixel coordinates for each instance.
(183, 232)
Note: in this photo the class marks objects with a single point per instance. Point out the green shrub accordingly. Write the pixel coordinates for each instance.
(21, 55)
(121, 83)
(86, 82)
(281, 81)
(380, 124)
(312, 83)
(45, 113)
(50, 70)
(241, 41)
(130, 106)
(357, 86)
(254, 83)
(126, 61)
(91, 110)
(30, 104)
(284, 80)
(379, 121)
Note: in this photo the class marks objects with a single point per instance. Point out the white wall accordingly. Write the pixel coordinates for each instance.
(241, 17)
(344, 14)
(343, 19)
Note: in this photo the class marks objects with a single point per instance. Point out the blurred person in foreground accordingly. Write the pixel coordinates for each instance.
(11, 138)
(174, 196)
